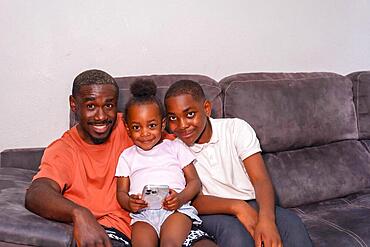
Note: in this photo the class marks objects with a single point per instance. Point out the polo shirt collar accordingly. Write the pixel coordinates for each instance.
(196, 147)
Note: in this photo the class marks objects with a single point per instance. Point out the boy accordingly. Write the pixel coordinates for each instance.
(236, 185)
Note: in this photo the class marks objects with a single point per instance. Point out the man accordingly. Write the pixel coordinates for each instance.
(76, 182)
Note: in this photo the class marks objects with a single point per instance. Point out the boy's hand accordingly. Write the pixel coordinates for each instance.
(173, 201)
(135, 203)
(247, 215)
(267, 232)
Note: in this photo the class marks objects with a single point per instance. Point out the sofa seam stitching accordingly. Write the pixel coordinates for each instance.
(335, 226)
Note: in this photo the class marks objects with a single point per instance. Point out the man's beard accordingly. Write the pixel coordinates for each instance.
(101, 140)
(96, 140)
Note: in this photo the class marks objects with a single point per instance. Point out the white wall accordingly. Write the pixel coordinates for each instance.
(44, 44)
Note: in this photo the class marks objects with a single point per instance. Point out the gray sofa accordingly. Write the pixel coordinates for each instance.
(314, 130)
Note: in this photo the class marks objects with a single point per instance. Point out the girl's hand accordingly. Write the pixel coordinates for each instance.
(135, 203)
(173, 201)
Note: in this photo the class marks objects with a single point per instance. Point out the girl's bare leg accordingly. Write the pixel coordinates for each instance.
(143, 235)
(174, 230)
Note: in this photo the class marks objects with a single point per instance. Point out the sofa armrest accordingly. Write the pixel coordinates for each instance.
(26, 158)
(18, 226)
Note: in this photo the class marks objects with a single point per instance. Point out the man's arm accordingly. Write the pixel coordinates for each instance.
(44, 198)
(266, 229)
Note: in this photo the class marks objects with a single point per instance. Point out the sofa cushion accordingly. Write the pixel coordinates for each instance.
(338, 222)
(291, 111)
(361, 92)
(319, 173)
(367, 144)
(163, 82)
(20, 226)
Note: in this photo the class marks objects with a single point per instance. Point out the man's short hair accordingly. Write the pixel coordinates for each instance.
(186, 87)
(92, 77)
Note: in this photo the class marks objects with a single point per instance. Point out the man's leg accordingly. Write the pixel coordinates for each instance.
(118, 239)
(227, 230)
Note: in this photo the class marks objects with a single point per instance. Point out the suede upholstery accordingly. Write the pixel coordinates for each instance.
(338, 222)
(318, 103)
(312, 174)
(361, 93)
(20, 226)
(26, 158)
(315, 135)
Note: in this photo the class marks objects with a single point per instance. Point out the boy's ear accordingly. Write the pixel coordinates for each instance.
(207, 105)
(72, 104)
(164, 121)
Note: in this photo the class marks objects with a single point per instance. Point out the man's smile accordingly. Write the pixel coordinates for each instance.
(100, 127)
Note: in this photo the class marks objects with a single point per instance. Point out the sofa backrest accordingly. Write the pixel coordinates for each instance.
(361, 93)
(292, 110)
(307, 126)
(211, 89)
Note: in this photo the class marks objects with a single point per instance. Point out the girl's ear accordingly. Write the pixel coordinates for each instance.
(128, 130)
(207, 106)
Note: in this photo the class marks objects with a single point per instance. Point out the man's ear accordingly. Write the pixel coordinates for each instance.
(72, 104)
(207, 105)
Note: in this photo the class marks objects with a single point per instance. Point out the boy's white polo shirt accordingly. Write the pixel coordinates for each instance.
(219, 162)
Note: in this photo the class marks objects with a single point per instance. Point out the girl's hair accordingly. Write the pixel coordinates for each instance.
(143, 92)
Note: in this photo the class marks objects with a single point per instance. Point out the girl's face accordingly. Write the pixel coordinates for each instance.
(145, 125)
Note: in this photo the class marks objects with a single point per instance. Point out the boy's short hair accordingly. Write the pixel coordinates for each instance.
(92, 77)
(186, 87)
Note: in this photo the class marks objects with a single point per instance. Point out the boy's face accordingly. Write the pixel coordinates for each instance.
(145, 125)
(188, 118)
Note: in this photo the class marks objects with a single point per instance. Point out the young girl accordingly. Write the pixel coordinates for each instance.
(155, 161)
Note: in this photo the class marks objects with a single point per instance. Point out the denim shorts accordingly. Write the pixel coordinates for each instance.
(156, 217)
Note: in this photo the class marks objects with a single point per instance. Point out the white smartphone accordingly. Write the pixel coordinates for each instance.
(154, 195)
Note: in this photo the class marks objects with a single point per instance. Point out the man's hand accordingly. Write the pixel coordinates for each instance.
(136, 203)
(267, 232)
(87, 231)
(247, 215)
(173, 201)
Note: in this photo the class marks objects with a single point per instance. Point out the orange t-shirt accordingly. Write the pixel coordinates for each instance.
(86, 173)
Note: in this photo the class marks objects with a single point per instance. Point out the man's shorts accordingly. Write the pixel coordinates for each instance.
(119, 239)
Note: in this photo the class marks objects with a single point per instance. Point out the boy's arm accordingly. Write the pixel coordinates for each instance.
(44, 198)
(266, 229)
(246, 214)
(132, 203)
